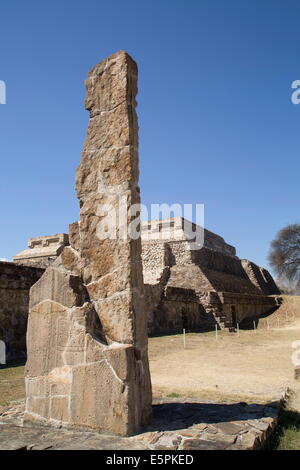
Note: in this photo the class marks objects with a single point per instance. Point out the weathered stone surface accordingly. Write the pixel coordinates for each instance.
(297, 373)
(202, 444)
(88, 366)
(42, 251)
(60, 287)
(184, 425)
(168, 442)
(74, 236)
(228, 428)
(249, 440)
(70, 260)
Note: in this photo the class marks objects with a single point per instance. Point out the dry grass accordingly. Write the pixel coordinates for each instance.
(287, 433)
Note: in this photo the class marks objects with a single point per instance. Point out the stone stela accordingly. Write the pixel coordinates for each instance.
(88, 365)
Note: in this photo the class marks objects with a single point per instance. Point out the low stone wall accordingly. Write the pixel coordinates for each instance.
(173, 315)
(15, 283)
(178, 309)
(42, 262)
(247, 307)
(182, 424)
(200, 311)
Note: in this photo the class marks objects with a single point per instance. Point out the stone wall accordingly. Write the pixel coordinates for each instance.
(15, 282)
(178, 309)
(155, 255)
(42, 251)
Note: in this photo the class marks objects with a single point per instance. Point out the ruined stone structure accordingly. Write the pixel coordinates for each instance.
(42, 251)
(15, 282)
(197, 289)
(88, 366)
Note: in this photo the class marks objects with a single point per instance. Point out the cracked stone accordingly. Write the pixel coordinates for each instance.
(229, 428)
(168, 442)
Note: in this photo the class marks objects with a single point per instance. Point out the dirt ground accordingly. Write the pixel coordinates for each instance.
(255, 366)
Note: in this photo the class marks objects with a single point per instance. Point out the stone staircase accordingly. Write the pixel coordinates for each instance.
(223, 322)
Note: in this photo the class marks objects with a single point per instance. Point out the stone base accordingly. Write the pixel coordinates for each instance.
(184, 425)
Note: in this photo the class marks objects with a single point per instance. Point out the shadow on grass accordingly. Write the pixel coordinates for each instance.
(286, 435)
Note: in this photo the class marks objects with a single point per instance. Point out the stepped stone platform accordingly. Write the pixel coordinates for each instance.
(42, 251)
(178, 424)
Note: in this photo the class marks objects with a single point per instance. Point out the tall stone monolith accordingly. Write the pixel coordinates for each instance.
(87, 361)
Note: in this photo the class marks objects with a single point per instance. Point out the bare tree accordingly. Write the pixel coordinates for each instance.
(288, 287)
(284, 256)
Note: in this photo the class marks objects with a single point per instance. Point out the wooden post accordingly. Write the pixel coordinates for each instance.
(238, 329)
(184, 342)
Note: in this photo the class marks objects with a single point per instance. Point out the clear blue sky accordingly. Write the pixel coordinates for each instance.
(217, 125)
